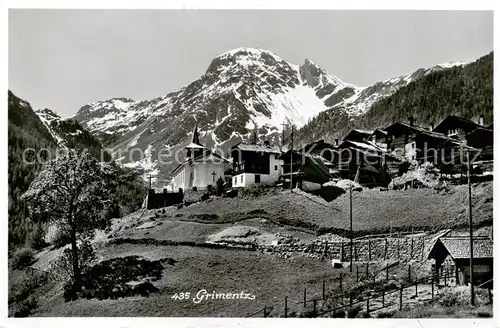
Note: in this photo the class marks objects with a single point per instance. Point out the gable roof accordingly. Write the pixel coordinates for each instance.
(317, 146)
(453, 119)
(357, 134)
(414, 128)
(459, 246)
(379, 132)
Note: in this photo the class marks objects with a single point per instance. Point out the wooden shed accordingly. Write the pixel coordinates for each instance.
(452, 255)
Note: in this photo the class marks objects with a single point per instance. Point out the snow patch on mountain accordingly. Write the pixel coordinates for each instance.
(48, 117)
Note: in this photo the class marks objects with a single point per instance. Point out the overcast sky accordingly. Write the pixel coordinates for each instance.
(64, 59)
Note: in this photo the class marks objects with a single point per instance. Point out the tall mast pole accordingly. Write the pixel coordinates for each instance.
(472, 296)
(350, 221)
(291, 161)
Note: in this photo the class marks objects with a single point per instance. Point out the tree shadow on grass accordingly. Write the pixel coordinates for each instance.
(118, 277)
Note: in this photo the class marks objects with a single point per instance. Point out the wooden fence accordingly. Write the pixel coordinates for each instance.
(350, 299)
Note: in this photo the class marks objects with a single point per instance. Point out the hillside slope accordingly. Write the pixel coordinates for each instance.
(25, 130)
(373, 210)
(32, 133)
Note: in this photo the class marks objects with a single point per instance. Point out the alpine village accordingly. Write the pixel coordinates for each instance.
(286, 192)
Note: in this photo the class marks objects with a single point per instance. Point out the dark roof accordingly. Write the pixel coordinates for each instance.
(453, 118)
(481, 130)
(365, 145)
(459, 247)
(417, 129)
(317, 146)
(357, 134)
(378, 131)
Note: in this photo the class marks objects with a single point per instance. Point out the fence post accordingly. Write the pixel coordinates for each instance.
(432, 287)
(342, 252)
(490, 296)
(265, 314)
(423, 249)
(314, 305)
(411, 250)
(305, 295)
(369, 250)
(357, 273)
(399, 254)
(387, 272)
(401, 299)
(323, 289)
(340, 281)
(385, 252)
(368, 304)
(286, 306)
(367, 270)
(409, 272)
(445, 276)
(350, 300)
(355, 251)
(383, 298)
(416, 288)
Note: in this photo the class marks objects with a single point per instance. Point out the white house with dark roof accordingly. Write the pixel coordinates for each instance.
(201, 168)
(255, 164)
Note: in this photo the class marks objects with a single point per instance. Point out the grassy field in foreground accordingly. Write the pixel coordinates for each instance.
(267, 277)
(373, 210)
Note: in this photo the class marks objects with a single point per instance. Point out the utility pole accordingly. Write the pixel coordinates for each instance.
(356, 178)
(150, 181)
(472, 296)
(283, 135)
(350, 221)
(291, 161)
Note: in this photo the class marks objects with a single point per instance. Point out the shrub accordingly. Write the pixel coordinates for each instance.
(385, 315)
(339, 314)
(112, 278)
(25, 307)
(20, 291)
(23, 257)
(21, 299)
(36, 237)
(254, 191)
(210, 189)
(353, 312)
(205, 196)
(220, 186)
(195, 188)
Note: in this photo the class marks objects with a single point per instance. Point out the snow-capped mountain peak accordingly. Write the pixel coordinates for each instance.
(241, 88)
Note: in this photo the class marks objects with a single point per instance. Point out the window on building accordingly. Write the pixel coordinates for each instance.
(241, 179)
(257, 178)
(276, 167)
(276, 156)
(235, 180)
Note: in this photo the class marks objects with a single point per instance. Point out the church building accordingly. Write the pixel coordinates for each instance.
(201, 168)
